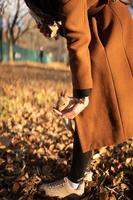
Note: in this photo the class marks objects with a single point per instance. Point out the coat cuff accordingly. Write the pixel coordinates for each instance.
(80, 93)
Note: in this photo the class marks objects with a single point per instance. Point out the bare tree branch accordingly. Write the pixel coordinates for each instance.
(22, 17)
(16, 14)
(20, 32)
(17, 20)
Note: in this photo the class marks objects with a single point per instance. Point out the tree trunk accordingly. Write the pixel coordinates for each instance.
(1, 52)
(10, 50)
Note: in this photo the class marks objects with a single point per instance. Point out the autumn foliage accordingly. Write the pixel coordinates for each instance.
(35, 145)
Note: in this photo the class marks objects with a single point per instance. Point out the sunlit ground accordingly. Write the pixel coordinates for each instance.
(36, 146)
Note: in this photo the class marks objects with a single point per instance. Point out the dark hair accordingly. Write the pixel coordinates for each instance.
(48, 7)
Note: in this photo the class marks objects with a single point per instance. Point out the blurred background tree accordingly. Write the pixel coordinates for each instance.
(17, 22)
(22, 40)
(2, 6)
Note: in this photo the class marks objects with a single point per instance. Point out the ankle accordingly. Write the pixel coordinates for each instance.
(73, 184)
(74, 179)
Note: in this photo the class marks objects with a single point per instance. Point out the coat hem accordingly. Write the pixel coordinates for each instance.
(97, 147)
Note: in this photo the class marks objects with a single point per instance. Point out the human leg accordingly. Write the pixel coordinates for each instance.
(73, 183)
(80, 161)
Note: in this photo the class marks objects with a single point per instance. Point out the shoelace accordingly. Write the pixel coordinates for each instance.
(59, 183)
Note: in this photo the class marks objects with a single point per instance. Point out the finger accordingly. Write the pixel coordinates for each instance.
(57, 111)
(45, 30)
(67, 110)
(46, 35)
(69, 114)
(69, 106)
(73, 111)
(38, 25)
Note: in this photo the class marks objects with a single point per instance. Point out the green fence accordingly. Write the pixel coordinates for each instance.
(23, 54)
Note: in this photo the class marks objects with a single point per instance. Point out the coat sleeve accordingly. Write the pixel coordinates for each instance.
(77, 33)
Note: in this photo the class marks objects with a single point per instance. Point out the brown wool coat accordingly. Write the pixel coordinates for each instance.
(106, 67)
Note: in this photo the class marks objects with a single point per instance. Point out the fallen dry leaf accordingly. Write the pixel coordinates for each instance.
(35, 145)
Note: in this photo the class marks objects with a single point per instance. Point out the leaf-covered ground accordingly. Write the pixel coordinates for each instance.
(35, 146)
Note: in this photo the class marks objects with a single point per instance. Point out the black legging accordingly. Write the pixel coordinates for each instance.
(80, 161)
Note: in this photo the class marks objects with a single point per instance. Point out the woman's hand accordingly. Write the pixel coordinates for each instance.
(74, 107)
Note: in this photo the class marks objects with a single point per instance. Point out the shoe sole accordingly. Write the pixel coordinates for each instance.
(72, 197)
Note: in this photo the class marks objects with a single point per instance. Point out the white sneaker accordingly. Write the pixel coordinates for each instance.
(62, 188)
